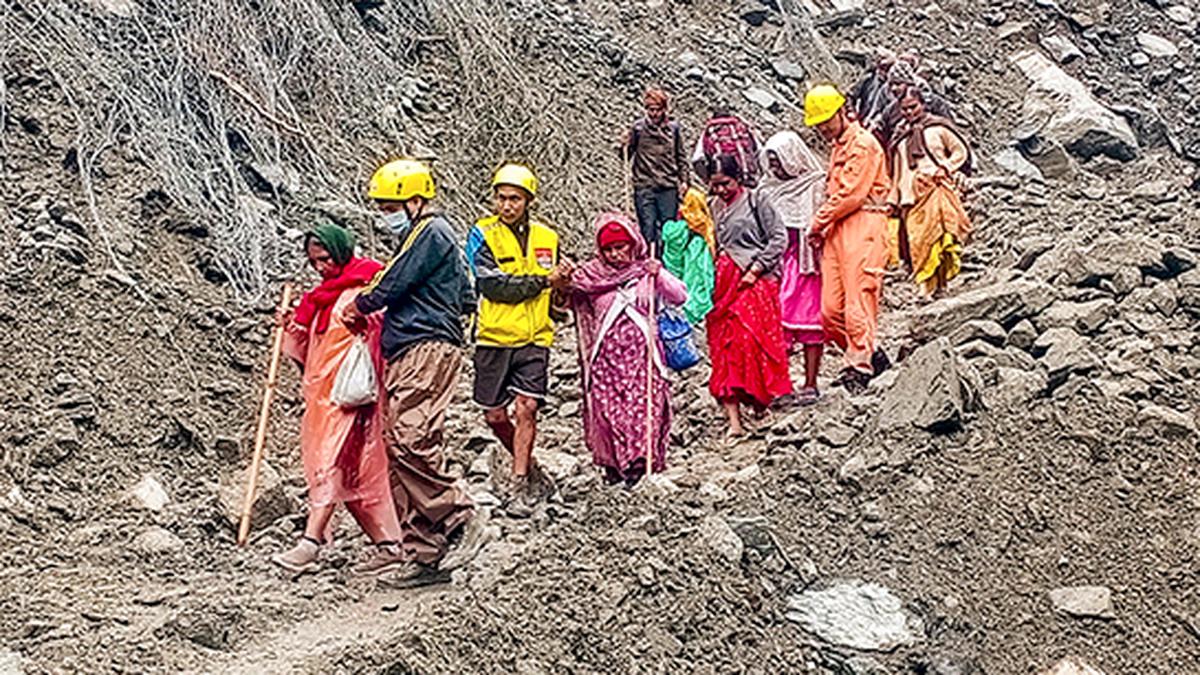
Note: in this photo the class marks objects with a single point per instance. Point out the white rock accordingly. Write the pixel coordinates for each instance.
(1072, 666)
(1069, 114)
(721, 538)
(1012, 161)
(11, 663)
(857, 615)
(1158, 47)
(121, 8)
(149, 494)
(157, 540)
(1061, 48)
(1083, 601)
(1181, 14)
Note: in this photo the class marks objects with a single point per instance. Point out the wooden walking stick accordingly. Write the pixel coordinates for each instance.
(264, 416)
(628, 169)
(650, 374)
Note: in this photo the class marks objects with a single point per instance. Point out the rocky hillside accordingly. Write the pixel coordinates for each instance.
(1017, 495)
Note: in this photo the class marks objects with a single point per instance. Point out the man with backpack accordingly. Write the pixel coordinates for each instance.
(654, 147)
(727, 134)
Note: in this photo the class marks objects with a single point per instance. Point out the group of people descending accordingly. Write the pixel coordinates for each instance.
(785, 254)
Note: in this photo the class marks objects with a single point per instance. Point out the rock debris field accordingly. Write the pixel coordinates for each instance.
(1018, 494)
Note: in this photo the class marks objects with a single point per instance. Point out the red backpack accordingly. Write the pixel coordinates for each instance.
(731, 136)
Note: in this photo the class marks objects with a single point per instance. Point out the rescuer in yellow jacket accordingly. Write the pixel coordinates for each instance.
(516, 265)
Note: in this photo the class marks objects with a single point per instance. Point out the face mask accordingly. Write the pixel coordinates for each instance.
(397, 222)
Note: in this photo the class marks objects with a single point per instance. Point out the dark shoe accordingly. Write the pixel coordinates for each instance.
(880, 361)
(853, 381)
(386, 557)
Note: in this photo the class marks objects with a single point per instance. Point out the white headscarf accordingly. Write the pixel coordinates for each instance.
(796, 199)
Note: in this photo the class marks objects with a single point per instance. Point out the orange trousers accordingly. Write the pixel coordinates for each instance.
(852, 266)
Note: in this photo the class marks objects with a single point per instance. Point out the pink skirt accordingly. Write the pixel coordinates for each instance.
(800, 302)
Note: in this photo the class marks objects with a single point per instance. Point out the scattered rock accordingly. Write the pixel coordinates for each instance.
(979, 329)
(273, 501)
(1022, 335)
(1012, 161)
(789, 71)
(754, 13)
(11, 663)
(1083, 601)
(1061, 48)
(721, 539)
(837, 435)
(1072, 666)
(1181, 14)
(857, 615)
(149, 494)
(1061, 109)
(157, 540)
(1166, 423)
(1005, 303)
(61, 443)
(1063, 352)
(929, 391)
(559, 465)
(1085, 317)
(1015, 388)
(762, 98)
(1157, 47)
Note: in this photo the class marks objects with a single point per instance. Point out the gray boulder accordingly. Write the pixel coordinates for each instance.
(930, 392)
(1063, 352)
(1085, 317)
(1005, 303)
(1063, 111)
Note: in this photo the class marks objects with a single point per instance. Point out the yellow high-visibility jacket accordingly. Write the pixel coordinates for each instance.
(514, 298)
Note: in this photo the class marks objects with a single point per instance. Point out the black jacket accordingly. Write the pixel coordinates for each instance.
(424, 289)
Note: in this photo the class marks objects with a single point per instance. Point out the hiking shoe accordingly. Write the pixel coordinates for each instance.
(413, 574)
(473, 536)
(301, 559)
(385, 557)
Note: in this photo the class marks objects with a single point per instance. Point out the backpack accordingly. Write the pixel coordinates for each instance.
(731, 136)
(676, 335)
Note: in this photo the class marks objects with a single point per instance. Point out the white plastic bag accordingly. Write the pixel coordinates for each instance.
(355, 383)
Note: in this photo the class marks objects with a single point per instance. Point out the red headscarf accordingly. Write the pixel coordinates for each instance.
(318, 303)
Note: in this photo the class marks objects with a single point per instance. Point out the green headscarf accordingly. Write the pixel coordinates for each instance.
(334, 238)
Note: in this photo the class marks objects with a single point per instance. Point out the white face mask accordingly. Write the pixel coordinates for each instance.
(397, 222)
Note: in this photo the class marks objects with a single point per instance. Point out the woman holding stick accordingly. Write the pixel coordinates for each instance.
(611, 296)
(345, 460)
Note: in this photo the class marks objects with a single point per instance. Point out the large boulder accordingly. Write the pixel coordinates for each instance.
(1061, 110)
(1063, 351)
(1005, 303)
(1084, 317)
(931, 391)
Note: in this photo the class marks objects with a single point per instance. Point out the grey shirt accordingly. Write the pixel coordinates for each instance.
(750, 241)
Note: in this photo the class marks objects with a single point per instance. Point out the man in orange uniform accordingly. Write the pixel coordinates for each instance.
(852, 227)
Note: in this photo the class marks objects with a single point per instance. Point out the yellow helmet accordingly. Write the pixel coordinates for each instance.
(516, 175)
(400, 180)
(821, 103)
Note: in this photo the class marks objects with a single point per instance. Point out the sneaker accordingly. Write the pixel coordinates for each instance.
(384, 557)
(413, 574)
(301, 559)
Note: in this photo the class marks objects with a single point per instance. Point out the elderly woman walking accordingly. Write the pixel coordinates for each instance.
(342, 449)
(745, 333)
(610, 295)
(795, 189)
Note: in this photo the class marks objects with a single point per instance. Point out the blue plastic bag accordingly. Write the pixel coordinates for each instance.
(676, 335)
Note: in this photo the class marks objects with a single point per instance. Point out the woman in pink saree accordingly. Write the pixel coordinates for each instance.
(344, 456)
(610, 295)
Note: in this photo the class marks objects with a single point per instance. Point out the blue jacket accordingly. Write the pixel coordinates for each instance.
(424, 289)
